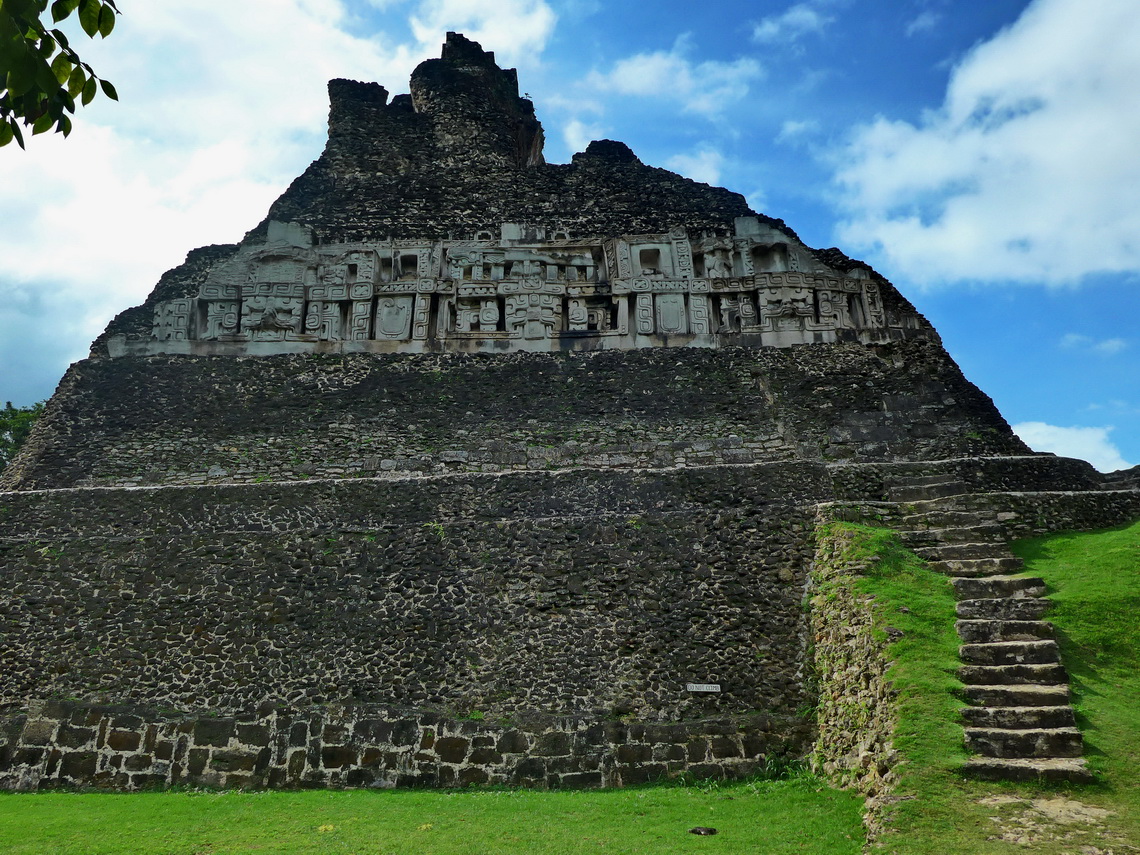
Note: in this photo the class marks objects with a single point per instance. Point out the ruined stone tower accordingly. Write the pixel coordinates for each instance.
(464, 467)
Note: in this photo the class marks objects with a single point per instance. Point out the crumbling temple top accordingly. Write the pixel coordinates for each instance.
(432, 223)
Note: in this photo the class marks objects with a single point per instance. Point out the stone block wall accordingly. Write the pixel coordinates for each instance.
(872, 481)
(857, 707)
(188, 420)
(1031, 514)
(69, 744)
(576, 592)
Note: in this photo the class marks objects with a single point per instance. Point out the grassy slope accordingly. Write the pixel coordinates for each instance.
(749, 817)
(1093, 580)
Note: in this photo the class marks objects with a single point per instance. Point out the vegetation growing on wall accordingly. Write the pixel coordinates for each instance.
(15, 425)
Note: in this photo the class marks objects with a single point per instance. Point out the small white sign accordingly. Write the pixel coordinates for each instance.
(702, 687)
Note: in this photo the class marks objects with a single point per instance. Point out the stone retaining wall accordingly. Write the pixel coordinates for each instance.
(856, 711)
(67, 744)
(571, 593)
(979, 474)
(1035, 514)
(192, 420)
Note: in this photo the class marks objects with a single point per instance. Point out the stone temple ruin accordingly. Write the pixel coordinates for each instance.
(467, 468)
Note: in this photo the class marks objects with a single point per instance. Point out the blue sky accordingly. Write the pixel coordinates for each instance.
(984, 156)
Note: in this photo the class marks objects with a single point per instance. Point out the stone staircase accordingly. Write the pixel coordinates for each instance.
(1020, 724)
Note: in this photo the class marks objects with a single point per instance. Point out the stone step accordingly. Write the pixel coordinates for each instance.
(991, 587)
(1031, 742)
(984, 533)
(1010, 653)
(990, 631)
(1023, 718)
(936, 518)
(1053, 769)
(1003, 608)
(1017, 696)
(977, 566)
(922, 480)
(950, 551)
(1023, 608)
(1009, 675)
(926, 492)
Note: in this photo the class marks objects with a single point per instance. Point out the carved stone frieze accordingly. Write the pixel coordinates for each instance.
(172, 320)
(526, 292)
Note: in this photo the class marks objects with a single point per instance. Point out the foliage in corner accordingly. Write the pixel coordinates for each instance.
(41, 75)
(15, 425)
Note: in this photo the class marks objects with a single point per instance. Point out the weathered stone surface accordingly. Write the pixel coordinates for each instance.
(574, 751)
(203, 421)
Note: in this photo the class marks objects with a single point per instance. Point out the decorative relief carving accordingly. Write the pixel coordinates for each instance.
(172, 320)
(672, 317)
(737, 313)
(533, 316)
(417, 292)
(700, 321)
(421, 317)
(360, 321)
(682, 253)
(222, 318)
(271, 318)
(624, 261)
(645, 314)
(324, 320)
(394, 317)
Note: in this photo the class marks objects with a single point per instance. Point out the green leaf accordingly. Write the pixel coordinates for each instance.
(43, 123)
(89, 16)
(47, 46)
(75, 81)
(64, 126)
(46, 84)
(22, 74)
(109, 90)
(89, 91)
(6, 135)
(106, 21)
(59, 11)
(59, 36)
(61, 68)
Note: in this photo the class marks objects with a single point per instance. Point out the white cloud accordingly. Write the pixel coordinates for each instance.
(701, 87)
(924, 22)
(702, 165)
(1084, 443)
(794, 22)
(1028, 171)
(579, 134)
(793, 131)
(217, 115)
(757, 199)
(1106, 347)
(213, 122)
(517, 30)
(1111, 346)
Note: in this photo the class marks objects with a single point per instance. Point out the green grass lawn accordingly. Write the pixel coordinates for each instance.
(798, 815)
(1094, 581)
